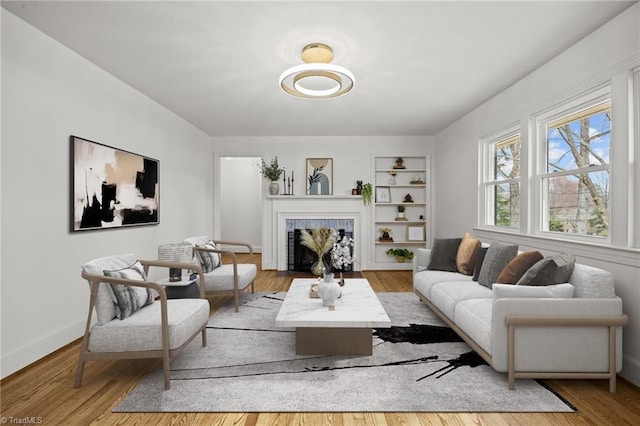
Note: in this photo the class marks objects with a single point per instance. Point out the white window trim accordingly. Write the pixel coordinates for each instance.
(634, 153)
(486, 147)
(539, 169)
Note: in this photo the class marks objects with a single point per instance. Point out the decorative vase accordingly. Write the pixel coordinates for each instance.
(400, 215)
(274, 188)
(317, 267)
(358, 187)
(328, 291)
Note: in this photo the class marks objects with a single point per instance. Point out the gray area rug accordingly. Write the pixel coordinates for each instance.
(249, 365)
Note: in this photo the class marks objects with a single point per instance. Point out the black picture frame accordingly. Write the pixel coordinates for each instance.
(112, 188)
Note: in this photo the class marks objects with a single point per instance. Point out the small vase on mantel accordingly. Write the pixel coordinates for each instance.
(274, 188)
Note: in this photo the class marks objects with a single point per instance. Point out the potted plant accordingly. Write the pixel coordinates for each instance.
(399, 163)
(401, 209)
(385, 234)
(367, 193)
(401, 254)
(272, 172)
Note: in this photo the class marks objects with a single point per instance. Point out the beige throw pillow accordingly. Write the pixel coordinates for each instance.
(466, 256)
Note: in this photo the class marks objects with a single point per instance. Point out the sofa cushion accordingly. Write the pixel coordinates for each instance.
(129, 299)
(140, 332)
(480, 254)
(474, 318)
(443, 254)
(591, 282)
(564, 290)
(518, 266)
(445, 296)
(424, 281)
(497, 257)
(550, 270)
(466, 254)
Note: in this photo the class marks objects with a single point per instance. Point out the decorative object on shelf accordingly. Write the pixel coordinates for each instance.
(392, 179)
(416, 180)
(401, 254)
(317, 78)
(421, 217)
(399, 163)
(320, 176)
(383, 194)
(401, 210)
(415, 233)
(367, 193)
(272, 172)
(320, 241)
(385, 237)
(112, 188)
(408, 198)
(358, 187)
(179, 252)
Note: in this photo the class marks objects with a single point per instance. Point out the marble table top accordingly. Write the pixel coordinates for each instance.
(357, 308)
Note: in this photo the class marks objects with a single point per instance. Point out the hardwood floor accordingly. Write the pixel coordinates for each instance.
(43, 392)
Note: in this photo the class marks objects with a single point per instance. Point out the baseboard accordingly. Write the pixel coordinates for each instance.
(37, 349)
(630, 369)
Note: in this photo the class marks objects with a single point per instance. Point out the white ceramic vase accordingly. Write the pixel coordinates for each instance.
(328, 291)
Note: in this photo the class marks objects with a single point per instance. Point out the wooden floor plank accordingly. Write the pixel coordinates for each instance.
(45, 390)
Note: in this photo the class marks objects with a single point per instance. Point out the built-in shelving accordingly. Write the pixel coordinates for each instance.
(392, 186)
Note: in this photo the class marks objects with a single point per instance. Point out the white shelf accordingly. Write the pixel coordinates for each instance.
(416, 168)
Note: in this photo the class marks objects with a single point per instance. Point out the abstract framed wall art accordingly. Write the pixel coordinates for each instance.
(320, 176)
(111, 188)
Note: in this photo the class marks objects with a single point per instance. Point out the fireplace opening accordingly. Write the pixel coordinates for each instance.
(301, 258)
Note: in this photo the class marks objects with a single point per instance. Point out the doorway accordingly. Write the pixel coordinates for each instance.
(241, 201)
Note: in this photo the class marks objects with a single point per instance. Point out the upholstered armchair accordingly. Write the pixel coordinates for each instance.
(130, 322)
(223, 278)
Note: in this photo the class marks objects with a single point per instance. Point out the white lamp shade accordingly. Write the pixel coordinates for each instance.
(179, 252)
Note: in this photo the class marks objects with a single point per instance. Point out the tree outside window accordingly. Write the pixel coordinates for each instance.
(503, 185)
(576, 183)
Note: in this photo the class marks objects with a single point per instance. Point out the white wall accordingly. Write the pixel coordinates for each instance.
(49, 93)
(352, 156)
(607, 55)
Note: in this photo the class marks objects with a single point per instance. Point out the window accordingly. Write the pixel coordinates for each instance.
(574, 178)
(502, 181)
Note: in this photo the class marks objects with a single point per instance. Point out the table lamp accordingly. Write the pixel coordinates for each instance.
(179, 252)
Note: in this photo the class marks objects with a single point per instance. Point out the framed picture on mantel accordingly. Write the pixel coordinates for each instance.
(320, 176)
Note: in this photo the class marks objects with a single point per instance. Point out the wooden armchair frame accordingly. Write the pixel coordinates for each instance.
(236, 290)
(165, 353)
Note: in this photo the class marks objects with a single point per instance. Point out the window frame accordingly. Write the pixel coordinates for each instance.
(488, 181)
(541, 175)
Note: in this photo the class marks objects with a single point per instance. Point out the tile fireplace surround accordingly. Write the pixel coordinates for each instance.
(286, 213)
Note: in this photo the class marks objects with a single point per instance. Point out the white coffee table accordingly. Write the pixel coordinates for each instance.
(346, 330)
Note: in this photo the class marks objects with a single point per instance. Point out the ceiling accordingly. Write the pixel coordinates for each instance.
(419, 65)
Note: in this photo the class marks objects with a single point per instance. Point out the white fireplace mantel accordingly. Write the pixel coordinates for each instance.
(278, 209)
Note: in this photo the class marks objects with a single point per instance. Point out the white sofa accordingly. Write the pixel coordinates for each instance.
(532, 332)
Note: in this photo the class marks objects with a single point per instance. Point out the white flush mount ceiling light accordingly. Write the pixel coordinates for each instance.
(317, 78)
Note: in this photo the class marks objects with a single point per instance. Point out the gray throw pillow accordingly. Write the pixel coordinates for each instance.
(209, 260)
(129, 299)
(480, 254)
(550, 270)
(443, 254)
(498, 256)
